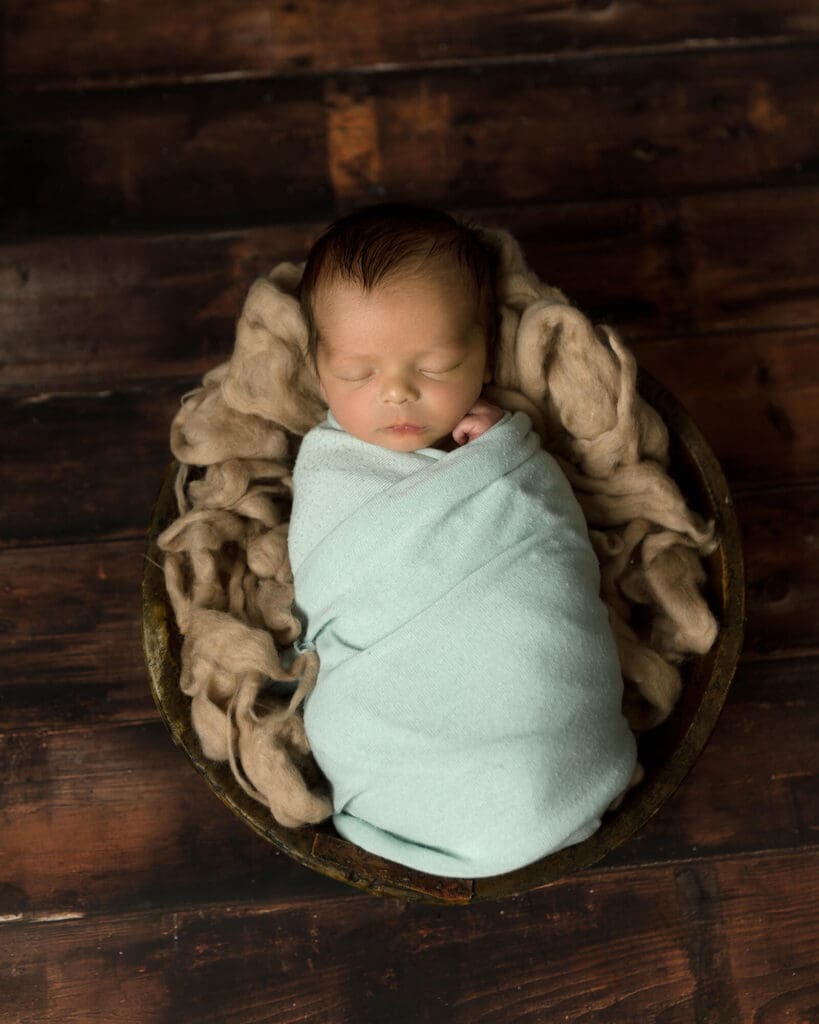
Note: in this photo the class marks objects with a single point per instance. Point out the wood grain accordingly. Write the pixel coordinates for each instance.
(83, 465)
(214, 154)
(779, 529)
(72, 654)
(754, 758)
(51, 45)
(724, 940)
(104, 817)
(93, 313)
(753, 396)
(163, 157)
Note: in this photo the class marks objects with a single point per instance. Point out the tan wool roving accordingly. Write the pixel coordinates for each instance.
(226, 563)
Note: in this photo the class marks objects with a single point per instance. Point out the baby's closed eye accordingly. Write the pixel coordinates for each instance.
(359, 376)
(437, 372)
(354, 380)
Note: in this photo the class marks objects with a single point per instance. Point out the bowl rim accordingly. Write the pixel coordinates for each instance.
(320, 849)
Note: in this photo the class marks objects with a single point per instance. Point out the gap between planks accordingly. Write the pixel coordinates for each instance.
(85, 84)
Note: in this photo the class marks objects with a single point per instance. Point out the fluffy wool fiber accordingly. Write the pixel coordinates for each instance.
(226, 563)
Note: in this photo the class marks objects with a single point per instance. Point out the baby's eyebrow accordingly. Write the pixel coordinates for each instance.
(345, 357)
(449, 349)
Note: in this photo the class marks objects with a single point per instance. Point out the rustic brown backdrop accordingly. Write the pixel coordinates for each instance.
(660, 163)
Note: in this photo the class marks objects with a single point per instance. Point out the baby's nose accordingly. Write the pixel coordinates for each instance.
(398, 389)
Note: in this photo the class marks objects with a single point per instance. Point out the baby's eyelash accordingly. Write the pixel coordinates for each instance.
(366, 376)
(449, 369)
(354, 380)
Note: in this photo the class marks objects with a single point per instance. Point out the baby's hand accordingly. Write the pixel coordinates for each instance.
(477, 421)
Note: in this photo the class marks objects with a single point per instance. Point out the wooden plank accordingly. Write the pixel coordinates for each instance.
(244, 152)
(136, 307)
(684, 264)
(757, 757)
(83, 465)
(111, 817)
(753, 396)
(129, 306)
(64, 663)
(49, 45)
(208, 155)
(730, 940)
(99, 816)
(108, 450)
(782, 569)
(72, 652)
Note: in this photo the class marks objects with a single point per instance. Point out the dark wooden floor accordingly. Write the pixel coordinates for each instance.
(660, 163)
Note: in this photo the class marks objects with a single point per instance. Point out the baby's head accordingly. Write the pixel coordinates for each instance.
(402, 316)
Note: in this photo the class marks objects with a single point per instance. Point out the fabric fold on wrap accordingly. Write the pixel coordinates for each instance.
(467, 712)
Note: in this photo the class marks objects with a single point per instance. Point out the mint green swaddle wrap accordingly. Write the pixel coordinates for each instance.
(467, 709)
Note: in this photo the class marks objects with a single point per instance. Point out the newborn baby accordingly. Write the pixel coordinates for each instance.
(467, 708)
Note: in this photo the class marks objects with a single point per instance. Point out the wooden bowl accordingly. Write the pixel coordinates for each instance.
(667, 753)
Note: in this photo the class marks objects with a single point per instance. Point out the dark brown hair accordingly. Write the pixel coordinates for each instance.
(374, 243)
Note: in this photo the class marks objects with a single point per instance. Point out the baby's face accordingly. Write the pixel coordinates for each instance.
(402, 364)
